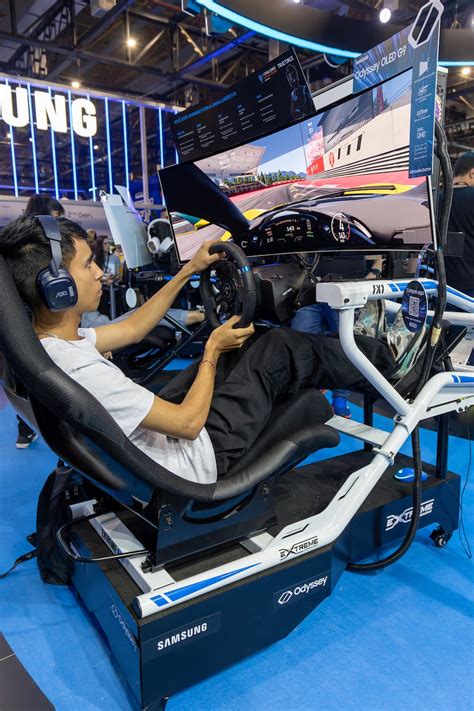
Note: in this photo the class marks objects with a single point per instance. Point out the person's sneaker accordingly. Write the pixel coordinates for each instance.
(26, 436)
(340, 406)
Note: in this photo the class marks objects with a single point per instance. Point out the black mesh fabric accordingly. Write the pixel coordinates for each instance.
(83, 431)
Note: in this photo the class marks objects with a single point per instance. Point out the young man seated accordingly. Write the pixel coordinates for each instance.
(205, 419)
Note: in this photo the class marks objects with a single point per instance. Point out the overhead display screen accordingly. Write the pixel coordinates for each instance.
(265, 101)
(338, 181)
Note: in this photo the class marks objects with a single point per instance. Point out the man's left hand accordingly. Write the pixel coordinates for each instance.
(202, 259)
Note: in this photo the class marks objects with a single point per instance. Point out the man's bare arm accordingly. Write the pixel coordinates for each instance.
(134, 328)
(187, 419)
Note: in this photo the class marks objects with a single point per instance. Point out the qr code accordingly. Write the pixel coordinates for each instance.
(414, 306)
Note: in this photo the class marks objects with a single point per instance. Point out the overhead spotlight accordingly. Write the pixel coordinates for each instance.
(385, 15)
(75, 84)
(131, 42)
(466, 71)
(297, 2)
(96, 146)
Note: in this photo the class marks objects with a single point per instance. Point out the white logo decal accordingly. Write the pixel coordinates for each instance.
(181, 636)
(301, 589)
(406, 516)
(299, 547)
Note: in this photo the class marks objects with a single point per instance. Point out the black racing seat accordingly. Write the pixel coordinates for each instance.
(82, 433)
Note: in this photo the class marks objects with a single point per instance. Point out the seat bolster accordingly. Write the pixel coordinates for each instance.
(279, 458)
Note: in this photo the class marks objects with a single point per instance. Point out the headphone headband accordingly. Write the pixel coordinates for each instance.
(56, 287)
(51, 231)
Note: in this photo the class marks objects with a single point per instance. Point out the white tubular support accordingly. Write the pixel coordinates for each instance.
(342, 295)
(363, 364)
(458, 381)
(463, 301)
(460, 318)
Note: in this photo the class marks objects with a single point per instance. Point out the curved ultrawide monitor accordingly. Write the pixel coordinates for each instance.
(338, 181)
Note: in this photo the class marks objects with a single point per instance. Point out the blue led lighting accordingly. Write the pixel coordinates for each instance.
(238, 19)
(220, 50)
(53, 153)
(109, 149)
(176, 157)
(469, 63)
(12, 150)
(160, 123)
(271, 32)
(91, 153)
(33, 139)
(73, 147)
(125, 143)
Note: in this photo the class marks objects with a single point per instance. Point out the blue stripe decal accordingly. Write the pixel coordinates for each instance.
(194, 587)
(402, 285)
(455, 292)
(458, 379)
(160, 601)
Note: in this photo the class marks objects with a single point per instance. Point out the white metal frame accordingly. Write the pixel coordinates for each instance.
(160, 591)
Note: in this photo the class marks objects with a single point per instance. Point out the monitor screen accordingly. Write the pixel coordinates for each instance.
(338, 181)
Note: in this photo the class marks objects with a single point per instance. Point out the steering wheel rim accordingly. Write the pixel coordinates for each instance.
(246, 288)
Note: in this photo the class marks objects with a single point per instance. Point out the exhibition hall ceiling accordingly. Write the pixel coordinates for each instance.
(157, 50)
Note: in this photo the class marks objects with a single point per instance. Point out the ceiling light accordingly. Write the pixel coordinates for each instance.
(385, 15)
(297, 2)
(131, 42)
(96, 146)
(465, 71)
(75, 84)
(9, 135)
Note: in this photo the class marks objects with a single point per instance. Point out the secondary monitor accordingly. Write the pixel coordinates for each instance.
(337, 181)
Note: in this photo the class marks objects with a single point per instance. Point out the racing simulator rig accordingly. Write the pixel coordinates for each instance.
(186, 579)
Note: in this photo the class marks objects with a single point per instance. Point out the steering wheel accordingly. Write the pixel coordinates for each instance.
(232, 291)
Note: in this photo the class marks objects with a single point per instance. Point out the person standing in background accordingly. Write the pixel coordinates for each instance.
(460, 270)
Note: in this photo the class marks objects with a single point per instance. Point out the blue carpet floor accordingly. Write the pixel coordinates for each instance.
(398, 639)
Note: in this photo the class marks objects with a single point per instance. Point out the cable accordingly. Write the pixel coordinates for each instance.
(464, 540)
(434, 334)
(408, 540)
(21, 559)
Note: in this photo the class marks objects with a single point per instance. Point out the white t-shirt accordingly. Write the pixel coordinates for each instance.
(129, 403)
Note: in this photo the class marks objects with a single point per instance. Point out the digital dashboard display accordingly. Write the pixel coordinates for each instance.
(337, 181)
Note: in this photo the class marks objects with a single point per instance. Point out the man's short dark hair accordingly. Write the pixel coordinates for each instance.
(464, 164)
(26, 251)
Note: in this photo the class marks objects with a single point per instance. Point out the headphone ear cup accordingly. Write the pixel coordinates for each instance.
(56, 292)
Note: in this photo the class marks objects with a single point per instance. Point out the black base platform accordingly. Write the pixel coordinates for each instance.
(178, 647)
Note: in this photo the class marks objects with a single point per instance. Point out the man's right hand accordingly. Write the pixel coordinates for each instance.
(227, 338)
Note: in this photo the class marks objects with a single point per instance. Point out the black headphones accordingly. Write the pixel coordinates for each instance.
(56, 287)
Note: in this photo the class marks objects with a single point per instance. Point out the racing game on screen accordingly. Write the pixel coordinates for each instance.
(336, 181)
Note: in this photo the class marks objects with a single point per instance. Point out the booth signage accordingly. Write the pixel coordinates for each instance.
(274, 97)
(414, 48)
(50, 111)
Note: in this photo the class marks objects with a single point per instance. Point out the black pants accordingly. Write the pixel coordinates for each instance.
(250, 381)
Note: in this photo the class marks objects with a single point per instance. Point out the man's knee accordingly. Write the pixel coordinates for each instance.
(279, 337)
